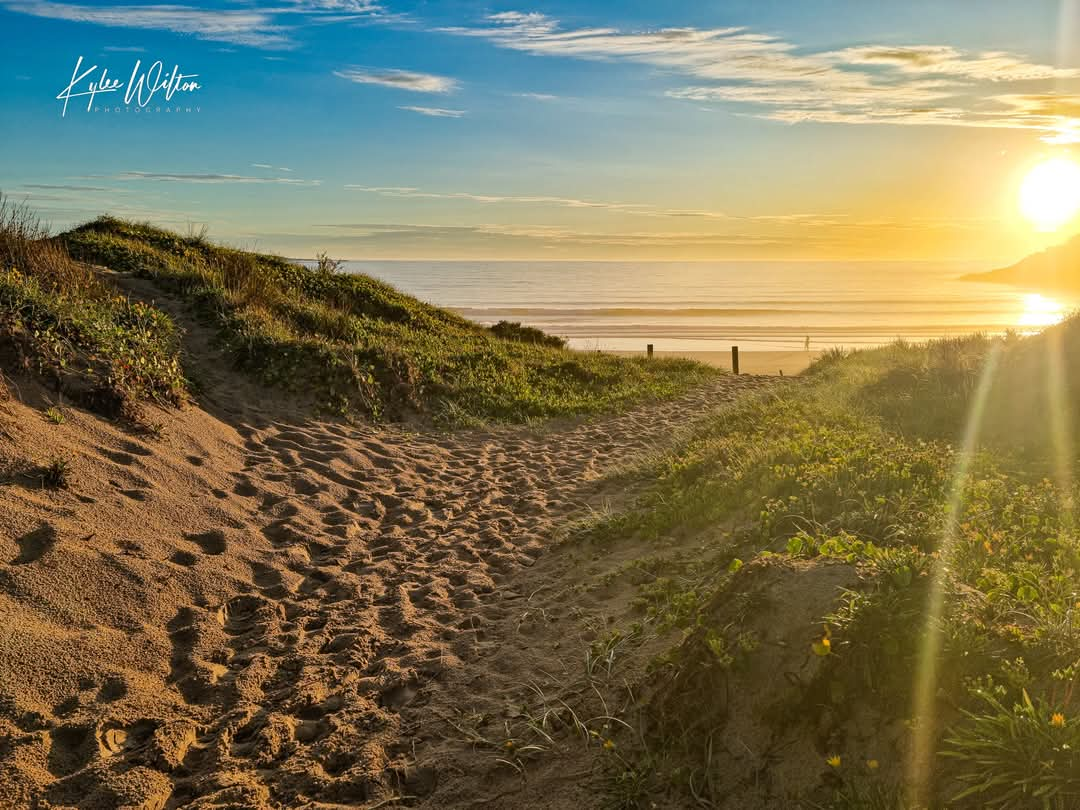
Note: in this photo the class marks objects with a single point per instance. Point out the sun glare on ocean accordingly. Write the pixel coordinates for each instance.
(1050, 193)
(1040, 312)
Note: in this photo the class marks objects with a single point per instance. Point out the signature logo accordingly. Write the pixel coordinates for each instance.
(140, 89)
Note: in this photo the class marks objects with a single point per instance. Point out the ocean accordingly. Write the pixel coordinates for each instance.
(704, 306)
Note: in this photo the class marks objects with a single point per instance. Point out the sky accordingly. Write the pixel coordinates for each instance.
(683, 130)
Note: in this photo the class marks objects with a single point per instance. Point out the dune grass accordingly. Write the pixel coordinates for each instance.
(360, 346)
(61, 321)
(863, 466)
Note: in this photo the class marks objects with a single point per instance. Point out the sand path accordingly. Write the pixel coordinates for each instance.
(253, 610)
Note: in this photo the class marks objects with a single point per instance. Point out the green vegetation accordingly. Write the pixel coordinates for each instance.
(62, 321)
(830, 516)
(358, 345)
(56, 474)
(513, 330)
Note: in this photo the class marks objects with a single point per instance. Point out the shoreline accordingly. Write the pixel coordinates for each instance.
(752, 362)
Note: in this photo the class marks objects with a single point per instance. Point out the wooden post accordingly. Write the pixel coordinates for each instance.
(648, 350)
(734, 359)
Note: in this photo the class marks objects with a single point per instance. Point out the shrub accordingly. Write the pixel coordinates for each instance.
(512, 330)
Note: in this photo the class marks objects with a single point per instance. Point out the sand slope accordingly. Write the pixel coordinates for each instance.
(240, 611)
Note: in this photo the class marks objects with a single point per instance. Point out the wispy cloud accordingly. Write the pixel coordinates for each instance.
(906, 84)
(536, 96)
(212, 178)
(434, 112)
(632, 208)
(251, 26)
(994, 66)
(63, 187)
(399, 79)
(124, 49)
(562, 202)
(805, 222)
(542, 233)
(241, 26)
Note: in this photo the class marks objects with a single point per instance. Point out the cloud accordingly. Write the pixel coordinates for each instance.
(212, 178)
(714, 53)
(250, 27)
(339, 6)
(994, 66)
(435, 112)
(543, 233)
(562, 202)
(634, 209)
(399, 79)
(124, 49)
(261, 166)
(536, 96)
(61, 187)
(865, 84)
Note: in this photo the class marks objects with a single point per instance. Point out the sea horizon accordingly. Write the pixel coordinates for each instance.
(707, 306)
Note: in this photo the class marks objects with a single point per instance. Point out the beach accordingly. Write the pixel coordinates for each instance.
(753, 362)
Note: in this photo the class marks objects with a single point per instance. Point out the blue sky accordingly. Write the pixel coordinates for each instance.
(693, 130)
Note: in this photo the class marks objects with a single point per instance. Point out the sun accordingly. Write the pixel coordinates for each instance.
(1050, 193)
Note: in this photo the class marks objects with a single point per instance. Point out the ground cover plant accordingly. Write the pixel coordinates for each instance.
(885, 608)
(63, 322)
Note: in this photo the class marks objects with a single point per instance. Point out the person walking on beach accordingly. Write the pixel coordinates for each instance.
(806, 344)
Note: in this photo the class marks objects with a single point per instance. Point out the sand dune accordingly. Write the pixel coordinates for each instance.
(243, 610)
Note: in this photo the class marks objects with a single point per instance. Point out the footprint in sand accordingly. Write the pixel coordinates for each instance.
(69, 750)
(241, 613)
(33, 545)
(113, 737)
(184, 558)
(211, 542)
(118, 456)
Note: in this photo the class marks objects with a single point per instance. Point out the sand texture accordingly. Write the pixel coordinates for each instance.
(252, 608)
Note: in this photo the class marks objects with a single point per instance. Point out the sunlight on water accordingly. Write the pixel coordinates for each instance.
(700, 306)
(1039, 311)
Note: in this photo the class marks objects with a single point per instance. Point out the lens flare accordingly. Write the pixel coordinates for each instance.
(926, 674)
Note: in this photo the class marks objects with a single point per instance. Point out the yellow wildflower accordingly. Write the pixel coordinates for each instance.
(1057, 720)
(609, 745)
(872, 764)
(833, 761)
(823, 647)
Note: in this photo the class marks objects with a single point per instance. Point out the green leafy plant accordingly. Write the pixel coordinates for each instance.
(1024, 756)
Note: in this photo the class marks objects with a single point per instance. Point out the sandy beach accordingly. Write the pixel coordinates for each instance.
(788, 362)
(256, 609)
